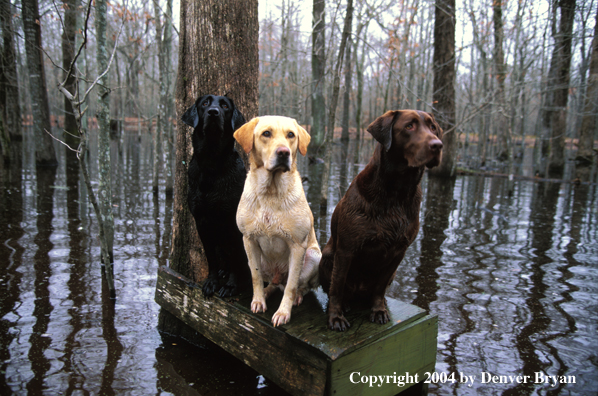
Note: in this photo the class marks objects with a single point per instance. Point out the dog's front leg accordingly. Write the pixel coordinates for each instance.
(254, 257)
(340, 269)
(283, 315)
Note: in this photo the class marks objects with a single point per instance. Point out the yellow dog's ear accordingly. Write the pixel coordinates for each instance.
(303, 138)
(244, 135)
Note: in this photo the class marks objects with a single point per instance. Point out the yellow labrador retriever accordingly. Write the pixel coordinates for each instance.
(273, 215)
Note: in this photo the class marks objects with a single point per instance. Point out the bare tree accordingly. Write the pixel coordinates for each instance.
(210, 29)
(45, 155)
(557, 91)
(500, 71)
(70, 134)
(590, 114)
(103, 116)
(444, 84)
(333, 103)
(318, 67)
(10, 110)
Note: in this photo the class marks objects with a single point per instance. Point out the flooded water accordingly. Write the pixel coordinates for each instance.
(513, 278)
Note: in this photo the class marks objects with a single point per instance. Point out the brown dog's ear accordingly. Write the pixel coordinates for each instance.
(303, 138)
(381, 128)
(244, 135)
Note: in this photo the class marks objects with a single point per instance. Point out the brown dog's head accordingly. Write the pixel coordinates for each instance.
(273, 141)
(415, 135)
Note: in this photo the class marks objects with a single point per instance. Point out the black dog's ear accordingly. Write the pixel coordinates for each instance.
(191, 117)
(238, 119)
(381, 128)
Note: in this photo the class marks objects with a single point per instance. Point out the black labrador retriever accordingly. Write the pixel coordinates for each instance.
(216, 179)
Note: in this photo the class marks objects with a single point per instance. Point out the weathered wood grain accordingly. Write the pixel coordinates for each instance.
(303, 356)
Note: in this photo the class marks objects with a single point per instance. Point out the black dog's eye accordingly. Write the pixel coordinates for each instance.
(266, 134)
(204, 104)
(290, 135)
(224, 106)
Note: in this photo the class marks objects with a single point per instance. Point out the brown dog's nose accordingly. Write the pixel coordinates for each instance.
(436, 145)
(283, 152)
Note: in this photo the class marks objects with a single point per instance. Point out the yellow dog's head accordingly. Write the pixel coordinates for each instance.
(272, 142)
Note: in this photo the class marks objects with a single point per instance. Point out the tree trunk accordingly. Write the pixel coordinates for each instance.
(9, 84)
(168, 102)
(71, 132)
(502, 131)
(347, 95)
(588, 123)
(103, 117)
(443, 97)
(318, 69)
(333, 103)
(210, 29)
(556, 113)
(45, 155)
(161, 120)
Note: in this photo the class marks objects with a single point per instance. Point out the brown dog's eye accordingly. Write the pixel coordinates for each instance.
(409, 126)
(266, 134)
(291, 135)
(433, 127)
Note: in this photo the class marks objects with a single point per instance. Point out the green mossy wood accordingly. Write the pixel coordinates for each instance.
(303, 356)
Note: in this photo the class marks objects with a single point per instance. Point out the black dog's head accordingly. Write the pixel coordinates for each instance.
(213, 114)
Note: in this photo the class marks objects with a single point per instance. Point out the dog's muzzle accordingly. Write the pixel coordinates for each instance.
(283, 159)
(213, 116)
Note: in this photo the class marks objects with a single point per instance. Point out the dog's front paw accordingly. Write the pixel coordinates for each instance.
(229, 289)
(258, 306)
(379, 316)
(280, 318)
(209, 286)
(338, 323)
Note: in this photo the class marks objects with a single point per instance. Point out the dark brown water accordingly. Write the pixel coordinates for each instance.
(513, 279)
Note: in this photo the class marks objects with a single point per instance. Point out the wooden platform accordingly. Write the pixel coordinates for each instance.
(304, 357)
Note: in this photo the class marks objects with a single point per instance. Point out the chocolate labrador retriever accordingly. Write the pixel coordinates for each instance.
(378, 218)
(216, 178)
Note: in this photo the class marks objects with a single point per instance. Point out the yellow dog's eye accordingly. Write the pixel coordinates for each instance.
(291, 135)
(266, 134)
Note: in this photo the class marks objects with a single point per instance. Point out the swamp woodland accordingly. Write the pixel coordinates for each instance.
(93, 156)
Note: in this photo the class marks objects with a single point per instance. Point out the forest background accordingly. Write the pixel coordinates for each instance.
(525, 72)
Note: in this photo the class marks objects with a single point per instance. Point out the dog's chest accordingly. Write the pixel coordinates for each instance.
(268, 222)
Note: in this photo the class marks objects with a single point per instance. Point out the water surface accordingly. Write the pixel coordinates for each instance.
(512, 276)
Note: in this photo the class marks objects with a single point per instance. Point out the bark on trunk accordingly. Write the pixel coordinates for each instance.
(443, 98)
(502, 131)
(556, 114)
(588, 123)
(71, 132)
(9, 88)
(318, 68)
(45, 155)
(103, 117)
(210, 30)
(347, 94)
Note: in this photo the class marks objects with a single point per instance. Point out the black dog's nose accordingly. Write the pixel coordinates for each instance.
(213, 112)
(436, 145)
